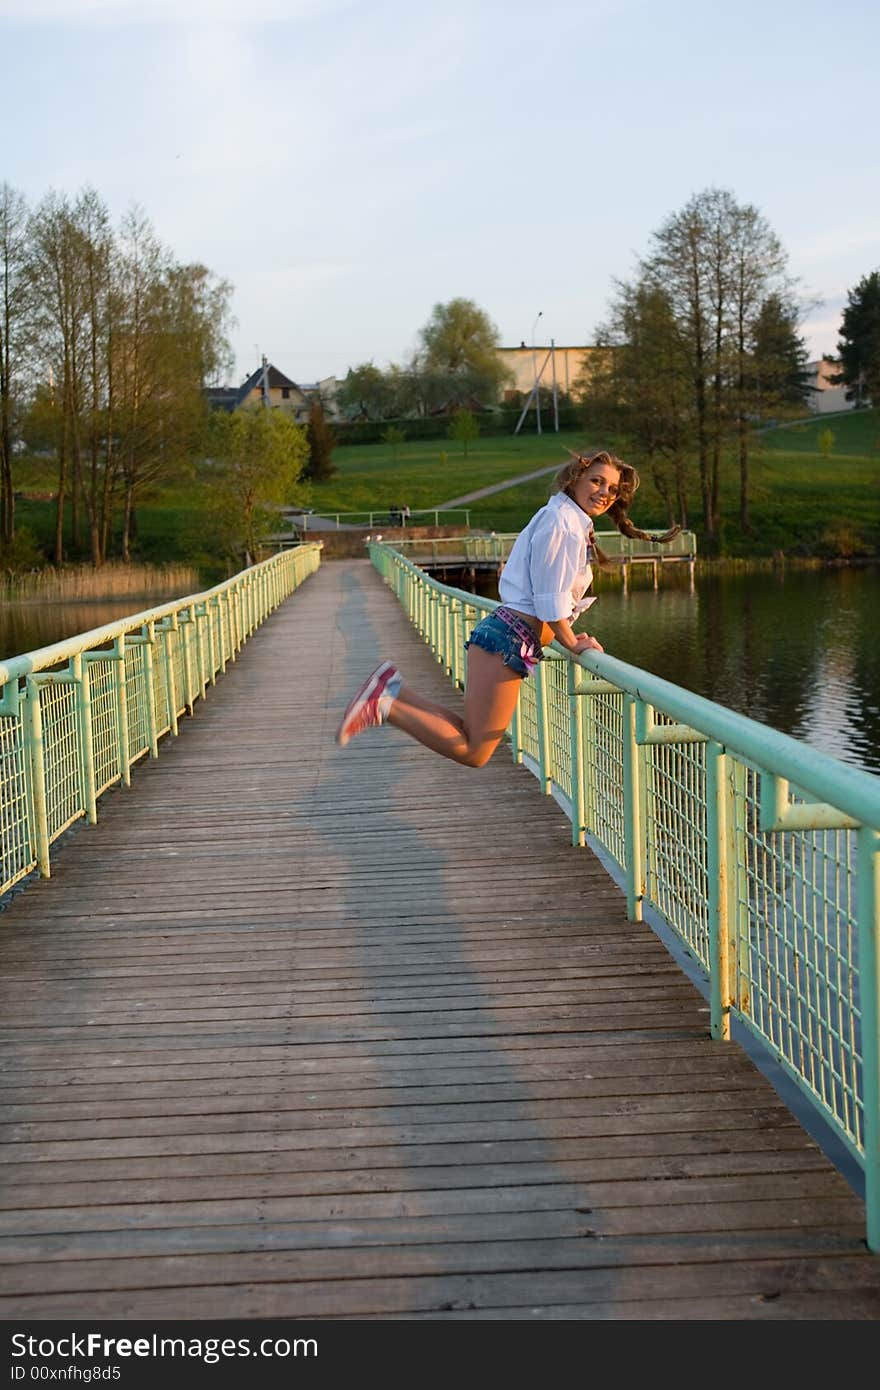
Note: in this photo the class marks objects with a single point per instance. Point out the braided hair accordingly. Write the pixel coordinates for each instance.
(629, 481)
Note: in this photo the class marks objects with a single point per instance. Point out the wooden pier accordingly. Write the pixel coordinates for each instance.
(302, 1032)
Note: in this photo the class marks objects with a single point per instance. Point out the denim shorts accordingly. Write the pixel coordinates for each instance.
(519, 651)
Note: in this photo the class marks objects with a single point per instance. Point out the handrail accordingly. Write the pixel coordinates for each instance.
(378, 516)
(762, 855)
(498, 544)
(67, 735)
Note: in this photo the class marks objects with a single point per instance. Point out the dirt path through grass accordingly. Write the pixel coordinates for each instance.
(497, 487)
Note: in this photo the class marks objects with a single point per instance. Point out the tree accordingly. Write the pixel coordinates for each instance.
(14, 309)
(758, 262)
(393, 437)
(858, 346)
(94, 473)
(261, 456)
(640, 386)
(365, 393)
(458, 355)
(170, 338)
(59, 286)
(717, 261)
(826, 443)
(464, 427)
(322, 441)
(777, 377)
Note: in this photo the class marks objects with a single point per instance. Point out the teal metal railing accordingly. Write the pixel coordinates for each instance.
(76, 716)
(498, 545)
(760, 853)
(384, 516)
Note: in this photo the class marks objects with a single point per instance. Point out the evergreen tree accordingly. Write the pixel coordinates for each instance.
(779, 380)
(859, 344)
(322, 442)
(640, 386)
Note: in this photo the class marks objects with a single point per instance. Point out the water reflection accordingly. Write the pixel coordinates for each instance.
(796, 650)
(26, 626)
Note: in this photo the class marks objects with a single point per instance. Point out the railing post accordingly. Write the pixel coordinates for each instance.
(122, 712)
(739, 914)
(543, 713)
(459, 618)
(79, 669)
(236, 620)
(222, 632)
(632, 824)
(868, 909)
(719, 867)
(150, 689)
(37, 761)
(210, 605)
(201, 654)
(445, 617)
(169, 627)
(184, 619)
(576, 727)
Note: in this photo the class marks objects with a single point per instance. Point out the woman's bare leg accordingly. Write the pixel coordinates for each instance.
(472, 737)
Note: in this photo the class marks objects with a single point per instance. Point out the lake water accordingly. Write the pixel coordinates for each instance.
(798, 650)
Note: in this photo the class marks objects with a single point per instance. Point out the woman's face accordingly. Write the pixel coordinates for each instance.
(596, 488)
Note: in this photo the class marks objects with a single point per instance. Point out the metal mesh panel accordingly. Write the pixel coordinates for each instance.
(603, 772)
(105, 727)
(216, 643)
(16, 858)
(180, 692)
(64, 798)
(558, 724)
(797, 955)
(529, 740)
(675, 827)
(160, 686)
(136, 701)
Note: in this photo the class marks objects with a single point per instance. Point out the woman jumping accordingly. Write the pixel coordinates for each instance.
(542, 591)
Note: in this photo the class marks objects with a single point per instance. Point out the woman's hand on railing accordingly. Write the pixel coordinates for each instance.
(585, 643)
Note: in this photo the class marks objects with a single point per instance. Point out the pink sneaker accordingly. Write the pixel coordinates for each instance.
(365, 708)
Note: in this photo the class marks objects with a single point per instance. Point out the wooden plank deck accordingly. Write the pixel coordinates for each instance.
(301, 1032)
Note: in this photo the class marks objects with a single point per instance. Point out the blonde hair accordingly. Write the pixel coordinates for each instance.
(626, 489)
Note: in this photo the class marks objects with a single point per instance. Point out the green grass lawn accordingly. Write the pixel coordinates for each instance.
(856, 434)
(802, 501)
(427, 472)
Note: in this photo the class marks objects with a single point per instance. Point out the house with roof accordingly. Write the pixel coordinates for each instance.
(266, 386)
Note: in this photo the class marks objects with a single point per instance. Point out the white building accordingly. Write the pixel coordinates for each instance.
(825, 396)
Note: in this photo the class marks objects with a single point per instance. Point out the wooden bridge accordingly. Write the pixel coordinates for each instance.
(298, 1032)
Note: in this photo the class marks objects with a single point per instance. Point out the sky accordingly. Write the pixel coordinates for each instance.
(348, 164)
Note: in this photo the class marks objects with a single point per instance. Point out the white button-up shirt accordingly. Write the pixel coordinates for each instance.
(548, 570)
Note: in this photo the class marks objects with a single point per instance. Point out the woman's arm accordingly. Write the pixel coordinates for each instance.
(574, 642)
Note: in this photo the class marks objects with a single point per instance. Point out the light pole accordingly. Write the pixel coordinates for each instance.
(535, 373)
